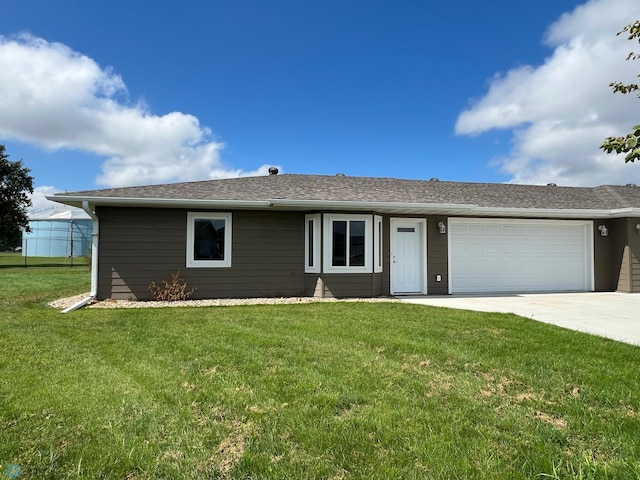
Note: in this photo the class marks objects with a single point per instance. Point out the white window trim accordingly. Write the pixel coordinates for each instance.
(317, 243)
(328, 243)
(378, 252)
(191, 217)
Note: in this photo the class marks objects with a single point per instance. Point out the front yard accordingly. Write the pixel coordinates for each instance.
(336, 390)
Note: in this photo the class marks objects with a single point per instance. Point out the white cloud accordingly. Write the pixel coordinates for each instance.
(560, 111)
(39, 201)
(56, 98)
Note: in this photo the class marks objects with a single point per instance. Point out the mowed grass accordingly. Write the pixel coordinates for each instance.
(15, 259)
(333, 390)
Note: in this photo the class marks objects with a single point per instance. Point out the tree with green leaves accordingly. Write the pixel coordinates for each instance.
(630, 143)
(15, 186)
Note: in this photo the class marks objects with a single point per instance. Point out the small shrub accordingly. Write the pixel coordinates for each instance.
(174, 290)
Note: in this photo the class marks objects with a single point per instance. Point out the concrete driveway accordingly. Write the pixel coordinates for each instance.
(608, 314)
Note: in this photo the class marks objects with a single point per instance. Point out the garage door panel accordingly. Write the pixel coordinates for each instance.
(519, 255)
(527, 248)
(511, 248)
(494, 249)
(476, 249)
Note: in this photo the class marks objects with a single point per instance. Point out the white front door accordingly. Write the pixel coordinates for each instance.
(407, 256)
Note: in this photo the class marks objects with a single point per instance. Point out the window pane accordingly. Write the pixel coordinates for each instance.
(339, 244)
(310, 246)
(379, 246)
(209, 239)
(356, 243)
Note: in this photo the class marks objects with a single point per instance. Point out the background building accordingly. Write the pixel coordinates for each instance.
(61, 231)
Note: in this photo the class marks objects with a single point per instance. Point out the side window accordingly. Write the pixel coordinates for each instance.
(208, 239)
(377, 243)
(312, 243)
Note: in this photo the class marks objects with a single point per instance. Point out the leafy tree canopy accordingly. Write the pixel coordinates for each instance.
(15, 185)
(630, 143)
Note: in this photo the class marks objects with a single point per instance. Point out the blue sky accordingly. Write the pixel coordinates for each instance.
(107, 94)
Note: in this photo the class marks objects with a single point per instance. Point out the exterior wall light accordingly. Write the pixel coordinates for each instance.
(442, 228)
(603, 230)
(638, 227)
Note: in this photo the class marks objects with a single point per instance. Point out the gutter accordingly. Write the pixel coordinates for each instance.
(78, 201)
(94, 261)
(366, 205)
(450, 209)
(625, 212)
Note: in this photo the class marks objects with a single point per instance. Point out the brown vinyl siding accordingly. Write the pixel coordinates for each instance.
(376, 285)
(437, 257)
(634, 254)
(343, 285)
(619, 271)
(602, 254)
(625, 255)
(624, 277)
(139, 245)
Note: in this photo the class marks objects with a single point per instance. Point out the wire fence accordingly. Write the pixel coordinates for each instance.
(17, 260)
(57, 243)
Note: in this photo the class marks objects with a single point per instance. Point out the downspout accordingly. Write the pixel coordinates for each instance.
(94, 261)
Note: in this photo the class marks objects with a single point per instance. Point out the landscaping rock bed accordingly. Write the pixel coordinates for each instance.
(63, 303)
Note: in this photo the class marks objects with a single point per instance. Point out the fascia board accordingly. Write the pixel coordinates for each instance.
(378, 206)
(443, 209)
(541, 212)
(158, 202)
(384, 207)
(625, 212)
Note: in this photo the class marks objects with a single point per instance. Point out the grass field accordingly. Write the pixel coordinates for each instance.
(15, 259)
(335, 391)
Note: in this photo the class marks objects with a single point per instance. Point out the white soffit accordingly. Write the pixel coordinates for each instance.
(381, 207)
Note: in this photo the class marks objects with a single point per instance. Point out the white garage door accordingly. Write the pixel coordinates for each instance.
(487, 255)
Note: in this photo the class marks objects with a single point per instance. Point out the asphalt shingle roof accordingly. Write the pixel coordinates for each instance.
(371, 189)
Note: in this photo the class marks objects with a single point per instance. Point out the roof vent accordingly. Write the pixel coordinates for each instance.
(551, 185)
(630, 185)
(340, 175)
(434, 179)
(273, 171)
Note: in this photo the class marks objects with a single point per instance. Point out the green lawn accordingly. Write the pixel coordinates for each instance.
(335, 391)
(15, 259)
